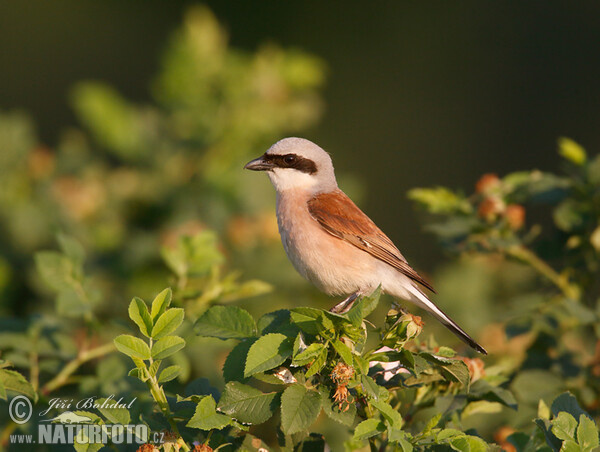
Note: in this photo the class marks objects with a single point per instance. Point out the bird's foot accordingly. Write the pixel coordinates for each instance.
(345, 305)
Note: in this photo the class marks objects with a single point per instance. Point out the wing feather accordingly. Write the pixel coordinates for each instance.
(339, 216)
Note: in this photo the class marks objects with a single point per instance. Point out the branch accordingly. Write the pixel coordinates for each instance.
(84, 356)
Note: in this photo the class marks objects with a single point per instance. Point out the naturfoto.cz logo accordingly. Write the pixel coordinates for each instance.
(78, 427)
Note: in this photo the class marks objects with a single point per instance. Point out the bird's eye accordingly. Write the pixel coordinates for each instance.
(289, 159)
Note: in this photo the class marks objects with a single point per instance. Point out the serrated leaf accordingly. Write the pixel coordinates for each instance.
(299, 408)
(132, 346)
(587, 434)
(468, 443)
(113, 415)
(308, 355)
(277, 322)
(568, 403)
(160, 303)
(169, 373)
(306, 319)
(363, 307)
(483, 389)
(138, 312)
(456, 370)
(11, 380)
(344, 352)
(267, 353)
(206, 417)
(225, 322)
(247, 404)
(167, 323)
(233, 368)
(391, 416)
(564, 426)
(317, 364)
(370, 387)
(167, 346)
(433, 422)
(368, 428)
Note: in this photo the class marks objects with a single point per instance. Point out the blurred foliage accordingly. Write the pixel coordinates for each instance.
(129, 204)
(528, 243)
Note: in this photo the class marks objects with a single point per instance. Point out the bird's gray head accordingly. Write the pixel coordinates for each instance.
(296, 163)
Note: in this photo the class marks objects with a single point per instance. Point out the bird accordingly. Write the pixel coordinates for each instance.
(330, 241)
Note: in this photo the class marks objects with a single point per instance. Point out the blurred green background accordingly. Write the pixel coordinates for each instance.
(417, 94)
(124, 127)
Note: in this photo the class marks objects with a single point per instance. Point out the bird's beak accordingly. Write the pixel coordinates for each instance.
(259, 164)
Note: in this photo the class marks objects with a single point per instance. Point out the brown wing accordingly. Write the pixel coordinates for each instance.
(339, 216)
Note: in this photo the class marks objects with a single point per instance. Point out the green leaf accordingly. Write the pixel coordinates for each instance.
(368, 428)
(247, 404)
(468, 443)
(72, 248)
(564, 425)
(363, 307)
(206, 416)
(169, 373)
(567, 402)
(132, 346)
(225, 322)
(569, 215)
(308, 355)
(55, 269)
(299, 408)
(11, 380)
(114, 415)
(233, 369)
(587, 433)
(306, 319)
(571, 151)
(266, 353)
(138, 312)
(332, 410)
(277, 322)
(484, 390)
(391, 416)
(593, 171)
(570, 446)
(452, 369)
(481, 407)
(440, 200)
(194, 255)
(317, 364)
(372, 389)
(167, 323)
(343, 350)
(167, 346)
(160, 304)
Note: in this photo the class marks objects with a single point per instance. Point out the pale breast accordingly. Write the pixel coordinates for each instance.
(330, 263)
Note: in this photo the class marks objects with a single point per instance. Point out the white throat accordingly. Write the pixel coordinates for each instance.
(284, 179)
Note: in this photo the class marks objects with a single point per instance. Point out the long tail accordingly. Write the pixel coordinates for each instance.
(421, 300)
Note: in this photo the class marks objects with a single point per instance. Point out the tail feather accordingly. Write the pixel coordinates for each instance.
(420, 299)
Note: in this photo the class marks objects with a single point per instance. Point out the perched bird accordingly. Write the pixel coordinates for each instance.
(329, 240)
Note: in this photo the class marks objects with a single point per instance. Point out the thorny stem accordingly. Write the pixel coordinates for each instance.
(529, 257)
(158, 394)
(84, 356)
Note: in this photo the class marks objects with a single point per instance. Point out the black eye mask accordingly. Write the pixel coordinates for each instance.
(292, 161)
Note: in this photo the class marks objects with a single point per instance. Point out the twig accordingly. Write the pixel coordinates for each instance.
(84, 356)
(529, 257)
